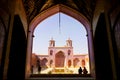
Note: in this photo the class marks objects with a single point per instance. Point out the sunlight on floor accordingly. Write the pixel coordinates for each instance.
(57, 71)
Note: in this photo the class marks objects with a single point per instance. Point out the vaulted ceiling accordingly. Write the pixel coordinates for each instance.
(34, 7)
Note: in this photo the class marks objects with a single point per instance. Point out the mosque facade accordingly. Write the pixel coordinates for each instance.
(63, 57)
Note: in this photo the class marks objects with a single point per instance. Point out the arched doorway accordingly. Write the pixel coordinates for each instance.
(75, 62)
(43, 63)
(69, 63)
(64, 9)
(59, 59)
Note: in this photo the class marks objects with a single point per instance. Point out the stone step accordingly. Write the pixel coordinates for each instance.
(61, 77)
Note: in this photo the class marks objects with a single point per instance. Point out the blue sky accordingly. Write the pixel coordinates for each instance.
(69, 28)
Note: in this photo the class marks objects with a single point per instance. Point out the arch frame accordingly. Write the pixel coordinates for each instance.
(61, 56)
(70, 12)
(59, 8)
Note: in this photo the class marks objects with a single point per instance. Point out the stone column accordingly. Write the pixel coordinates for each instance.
(91, 52)
(53, 59)
(65, 62)
(6, 63)
(28, 54)
(110, 42)
(72, 59)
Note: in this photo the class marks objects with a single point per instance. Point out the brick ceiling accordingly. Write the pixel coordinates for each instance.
(34, 7)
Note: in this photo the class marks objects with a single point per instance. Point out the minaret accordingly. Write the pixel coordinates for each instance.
(69, 43)
(51, 43)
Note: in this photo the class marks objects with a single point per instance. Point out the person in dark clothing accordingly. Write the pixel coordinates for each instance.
(80, 70)
(85, 70)
(32, 69)
(39, 69)
(38, 65)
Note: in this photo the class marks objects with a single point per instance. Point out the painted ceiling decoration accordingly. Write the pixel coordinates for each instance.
(34, 7)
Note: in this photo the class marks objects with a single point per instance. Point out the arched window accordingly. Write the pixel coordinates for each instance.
(69, 52)
(83, 63)
(51, 52)
(75, 62)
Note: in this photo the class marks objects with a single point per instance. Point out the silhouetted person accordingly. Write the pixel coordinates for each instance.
(32, 69)
(85, 71)
(38, 66)
(80, 70)
(39, 69)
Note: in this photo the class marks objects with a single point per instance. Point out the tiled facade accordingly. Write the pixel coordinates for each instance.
(63, 57)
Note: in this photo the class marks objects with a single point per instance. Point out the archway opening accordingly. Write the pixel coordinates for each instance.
(70, 37)
(59, 59)
(66, 10)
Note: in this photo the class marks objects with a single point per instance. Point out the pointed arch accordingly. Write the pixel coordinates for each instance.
(59, 8)
(70, 12)
(59, 59)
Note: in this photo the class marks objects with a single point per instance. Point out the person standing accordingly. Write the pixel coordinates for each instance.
(85, 70)
(32, 69)
(39, 69)
(38, 66)
(80, 70)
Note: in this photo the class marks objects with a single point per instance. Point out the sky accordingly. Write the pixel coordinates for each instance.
(60, 27)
